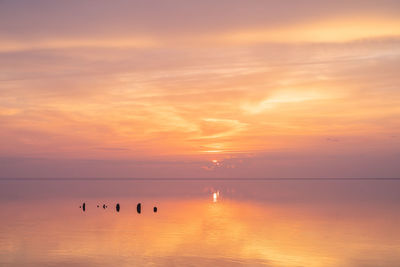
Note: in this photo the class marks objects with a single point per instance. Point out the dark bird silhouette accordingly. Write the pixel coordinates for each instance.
(155, 209)
(139, 208)
(117, 207)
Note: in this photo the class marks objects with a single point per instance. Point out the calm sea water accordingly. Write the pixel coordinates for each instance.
(252, 223)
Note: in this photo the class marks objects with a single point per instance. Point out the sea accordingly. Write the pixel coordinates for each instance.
(200, 222)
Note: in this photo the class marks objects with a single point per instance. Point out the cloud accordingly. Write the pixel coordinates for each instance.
(338, 30)
(73, 43)
(173, 24)
(143, 80)
(325, 31)
(112, 148)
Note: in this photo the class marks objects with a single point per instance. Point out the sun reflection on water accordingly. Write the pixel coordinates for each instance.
(215, 196)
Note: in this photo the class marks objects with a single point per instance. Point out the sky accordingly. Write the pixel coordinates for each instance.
(200, 88)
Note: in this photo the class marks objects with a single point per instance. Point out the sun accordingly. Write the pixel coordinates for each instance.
(216, 162)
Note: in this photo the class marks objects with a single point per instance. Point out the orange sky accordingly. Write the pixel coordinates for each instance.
(166, 83)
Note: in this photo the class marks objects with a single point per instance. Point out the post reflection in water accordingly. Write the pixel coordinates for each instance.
(198, 231)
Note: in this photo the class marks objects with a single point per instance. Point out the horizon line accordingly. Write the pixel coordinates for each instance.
(202, 179)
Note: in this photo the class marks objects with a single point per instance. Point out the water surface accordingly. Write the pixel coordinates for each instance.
(253, 223)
